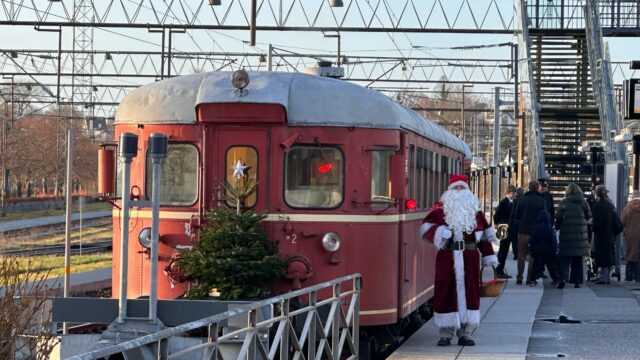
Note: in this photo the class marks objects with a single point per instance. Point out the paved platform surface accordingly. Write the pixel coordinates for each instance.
(49, 220)
(523, 323)
(503, 333)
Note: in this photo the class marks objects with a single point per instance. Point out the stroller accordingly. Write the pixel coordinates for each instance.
(592, 272)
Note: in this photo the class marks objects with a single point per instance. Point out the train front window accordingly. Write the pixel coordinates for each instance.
(314, 177)
(179, 181)
(242, 171)
(381, 175)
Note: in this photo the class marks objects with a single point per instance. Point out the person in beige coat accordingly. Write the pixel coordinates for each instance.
(631, 221)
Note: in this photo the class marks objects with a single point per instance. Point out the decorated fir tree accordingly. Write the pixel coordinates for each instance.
(233, 254)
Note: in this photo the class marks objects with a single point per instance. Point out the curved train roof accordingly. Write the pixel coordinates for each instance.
(308, 99)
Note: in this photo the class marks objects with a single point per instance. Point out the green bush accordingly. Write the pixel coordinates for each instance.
(233, 255)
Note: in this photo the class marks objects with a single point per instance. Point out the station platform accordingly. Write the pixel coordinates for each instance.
(16, 225)
(505, 327)
(591, 322)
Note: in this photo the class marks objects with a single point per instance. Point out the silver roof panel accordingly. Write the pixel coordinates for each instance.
(308, 99)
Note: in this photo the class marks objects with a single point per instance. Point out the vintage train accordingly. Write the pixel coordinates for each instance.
(345, 173)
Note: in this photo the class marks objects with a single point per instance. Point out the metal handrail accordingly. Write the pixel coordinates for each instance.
(333, 333)
(530, 94)
(618, 15)
(601, 79)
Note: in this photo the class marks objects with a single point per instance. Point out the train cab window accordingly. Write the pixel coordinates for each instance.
(411, 165)
(381, 175)
(314, 177)
(247, 156)
(179, 183)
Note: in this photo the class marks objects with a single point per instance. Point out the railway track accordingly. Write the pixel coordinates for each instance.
(89, 248)
(41, 232)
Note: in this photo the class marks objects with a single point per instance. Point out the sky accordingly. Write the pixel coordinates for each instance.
(434, 13)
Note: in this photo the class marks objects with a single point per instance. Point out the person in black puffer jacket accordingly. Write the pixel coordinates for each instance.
(543, 248)
(572, 217)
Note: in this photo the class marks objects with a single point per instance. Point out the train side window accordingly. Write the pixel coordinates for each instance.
(247, 156)
(419, 177)
(381, 175)
(179, 183)
(314, 177)
(412, 172)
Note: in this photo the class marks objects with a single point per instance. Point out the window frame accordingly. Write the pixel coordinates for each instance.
(383, 199)
(226, 151)
(343, 171)
(147, 175)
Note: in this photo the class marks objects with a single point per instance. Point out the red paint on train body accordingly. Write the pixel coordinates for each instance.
(368, 175)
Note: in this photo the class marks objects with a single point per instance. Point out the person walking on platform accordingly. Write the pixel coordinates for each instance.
(571, 219)
(548, 198)
(604, 236)
(526, 214)
(513, 223)
(501, 219)
(631, 222)
(458, 230)
(543, 248)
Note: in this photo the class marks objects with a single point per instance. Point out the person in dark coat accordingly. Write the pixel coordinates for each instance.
(548, 198)
(513, 223)
(543, 248)
(501, 218)
(526, 213)
(572, 216)
(604, 214)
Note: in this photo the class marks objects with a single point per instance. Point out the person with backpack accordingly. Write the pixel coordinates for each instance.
(606, 225)
(543, 248)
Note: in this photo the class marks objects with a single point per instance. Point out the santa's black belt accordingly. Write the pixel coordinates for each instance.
(461, 245)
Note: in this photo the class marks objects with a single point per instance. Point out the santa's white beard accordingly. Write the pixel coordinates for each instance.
(460, 208)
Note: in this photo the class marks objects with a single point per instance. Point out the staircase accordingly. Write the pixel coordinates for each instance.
(568, 114)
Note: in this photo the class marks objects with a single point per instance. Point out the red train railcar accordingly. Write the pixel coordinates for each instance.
(345, 173)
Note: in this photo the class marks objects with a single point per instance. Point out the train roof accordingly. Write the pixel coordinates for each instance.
(308, 99)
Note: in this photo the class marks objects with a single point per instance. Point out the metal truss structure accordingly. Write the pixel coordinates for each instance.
(113, 74)
(455, 16)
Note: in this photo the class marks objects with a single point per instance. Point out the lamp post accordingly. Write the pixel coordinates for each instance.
(337, 36)
(464, 122)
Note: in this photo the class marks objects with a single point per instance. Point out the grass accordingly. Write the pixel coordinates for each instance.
(89, 235)
(55, 264)
(93, 206)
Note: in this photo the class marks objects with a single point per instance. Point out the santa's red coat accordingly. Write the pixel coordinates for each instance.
(457, 279)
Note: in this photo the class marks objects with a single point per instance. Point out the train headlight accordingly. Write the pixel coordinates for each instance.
(331, 242)
(144, 238)
(240, 79)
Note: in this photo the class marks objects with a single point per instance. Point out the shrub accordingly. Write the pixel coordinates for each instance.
(233, 255)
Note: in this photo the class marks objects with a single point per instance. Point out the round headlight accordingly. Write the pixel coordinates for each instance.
(144, 238)
(331, 242)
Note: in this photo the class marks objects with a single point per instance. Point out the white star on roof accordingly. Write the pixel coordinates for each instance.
(238, 170)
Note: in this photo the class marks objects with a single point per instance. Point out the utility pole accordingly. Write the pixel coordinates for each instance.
(5, 171)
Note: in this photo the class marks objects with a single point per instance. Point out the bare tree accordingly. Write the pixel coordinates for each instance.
(24, 315)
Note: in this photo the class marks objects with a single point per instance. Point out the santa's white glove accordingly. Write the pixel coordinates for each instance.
(441, 237)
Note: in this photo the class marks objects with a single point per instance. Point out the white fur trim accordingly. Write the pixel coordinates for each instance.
(473, 317)
(424, 228)
(490, 234)
(479, 235)
(440, 238)
(491, 260)
(458, 266)
(458, 183)
(447, 320)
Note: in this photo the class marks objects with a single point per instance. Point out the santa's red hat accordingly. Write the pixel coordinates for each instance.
(457, 180)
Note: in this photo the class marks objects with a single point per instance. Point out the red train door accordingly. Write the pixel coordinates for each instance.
(240, 160)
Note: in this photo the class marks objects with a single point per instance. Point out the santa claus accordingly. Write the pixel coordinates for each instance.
(458, 230)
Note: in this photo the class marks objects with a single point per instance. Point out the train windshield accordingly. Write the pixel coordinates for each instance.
(179, 183)
(314, 177)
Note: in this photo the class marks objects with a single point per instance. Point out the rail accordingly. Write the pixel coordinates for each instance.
(602, 80)
(87, 248)
(529, 93)
(334, 337)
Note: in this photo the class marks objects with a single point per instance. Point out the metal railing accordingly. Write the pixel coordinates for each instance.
(602, 80)
(617, 16)
(333, 335)
(529, 93)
